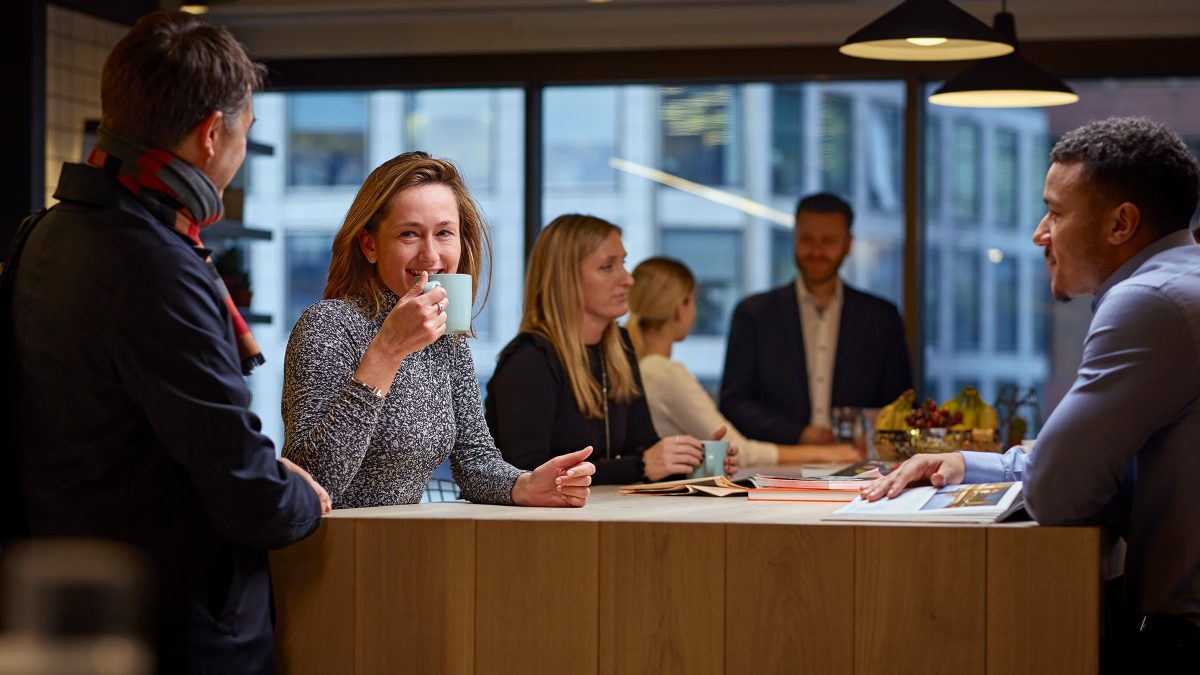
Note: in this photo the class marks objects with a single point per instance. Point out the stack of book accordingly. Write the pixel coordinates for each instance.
(812, 489)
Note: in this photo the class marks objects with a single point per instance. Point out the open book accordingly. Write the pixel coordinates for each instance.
(969, 503)
(715, 486)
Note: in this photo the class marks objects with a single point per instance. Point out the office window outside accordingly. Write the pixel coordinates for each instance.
(580, 136)
(327, 139)
(455, 124)
(965, 179)
(934, 167)
(837, 145)
(715, 258)
(783, 256)
(700, 134)
(1007, 319)
(787, 139)
(307, 256)
(886, 149)
(1006, 179)
(967, 296)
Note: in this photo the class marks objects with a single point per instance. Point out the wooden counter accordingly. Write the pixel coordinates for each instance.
(635, 584)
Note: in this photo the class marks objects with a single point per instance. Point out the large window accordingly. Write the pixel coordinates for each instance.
(456, 124)
(965, 178)
(715, 257)
(837, 145)
(581, 136)
(327, 139)
(967, 296)
(700, 134)
(1006, 178)
(787, 139)
(1006, 290)
(886, 168)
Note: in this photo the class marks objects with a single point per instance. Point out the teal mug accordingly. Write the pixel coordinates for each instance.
(714, 460)
(459, 300)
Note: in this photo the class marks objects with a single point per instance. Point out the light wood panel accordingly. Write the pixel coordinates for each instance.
(313, 582)
(536, 602)
(789, 599)
(919, 600)
(415, 588)
(662, 598)
(1043, 601)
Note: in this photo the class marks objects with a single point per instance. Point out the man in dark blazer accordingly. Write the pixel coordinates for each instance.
(126, 357)
(800, 350)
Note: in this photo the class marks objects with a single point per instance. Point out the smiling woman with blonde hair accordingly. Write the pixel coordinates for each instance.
(375, 394)
(662, 308)
(570, 377)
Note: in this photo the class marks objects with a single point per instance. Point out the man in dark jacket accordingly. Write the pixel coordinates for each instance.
(127, 354)
(798, 351)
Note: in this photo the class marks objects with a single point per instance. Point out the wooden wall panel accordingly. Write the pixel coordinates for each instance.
(314, 584)
(415, 585)
(662, 598)
(789, 599)
(536, 602)
(1043, 601)
(919, 600)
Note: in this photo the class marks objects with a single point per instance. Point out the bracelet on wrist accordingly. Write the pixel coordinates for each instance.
(375, 391)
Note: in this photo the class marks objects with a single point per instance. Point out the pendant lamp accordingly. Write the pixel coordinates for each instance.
(1006, 82)
(926, 30)
(194, 7)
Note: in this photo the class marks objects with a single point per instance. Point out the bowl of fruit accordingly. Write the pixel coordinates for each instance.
(965, 422)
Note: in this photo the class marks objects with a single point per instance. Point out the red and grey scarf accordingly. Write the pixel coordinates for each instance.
(178, 193)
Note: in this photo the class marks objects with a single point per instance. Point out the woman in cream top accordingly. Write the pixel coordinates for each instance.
(662, 308)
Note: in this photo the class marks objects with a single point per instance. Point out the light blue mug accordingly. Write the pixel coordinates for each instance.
(458, 296)
(714, 460)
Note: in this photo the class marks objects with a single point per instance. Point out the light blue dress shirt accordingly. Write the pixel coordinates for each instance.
(1123, 446)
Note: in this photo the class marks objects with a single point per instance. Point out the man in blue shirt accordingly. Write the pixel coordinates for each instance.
(125, 355)
(1121, 449)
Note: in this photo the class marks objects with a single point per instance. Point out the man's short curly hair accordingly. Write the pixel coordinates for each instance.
(1136, 160)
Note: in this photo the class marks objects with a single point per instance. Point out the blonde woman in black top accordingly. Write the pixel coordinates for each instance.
(570, 378)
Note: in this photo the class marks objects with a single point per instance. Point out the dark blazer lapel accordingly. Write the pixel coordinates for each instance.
(795, 369)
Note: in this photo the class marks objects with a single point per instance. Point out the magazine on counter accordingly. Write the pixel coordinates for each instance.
(967, 503)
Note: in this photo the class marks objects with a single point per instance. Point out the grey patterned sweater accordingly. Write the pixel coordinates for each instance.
(371, 452)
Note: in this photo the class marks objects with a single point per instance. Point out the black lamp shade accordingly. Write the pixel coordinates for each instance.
(1006, 82)
(926, 30)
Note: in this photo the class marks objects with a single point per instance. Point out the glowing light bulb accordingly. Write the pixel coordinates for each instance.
(926, 41)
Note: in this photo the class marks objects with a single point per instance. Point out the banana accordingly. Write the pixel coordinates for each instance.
(977, 414)
(891, 416)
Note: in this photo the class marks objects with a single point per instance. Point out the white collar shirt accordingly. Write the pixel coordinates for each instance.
(820, 330)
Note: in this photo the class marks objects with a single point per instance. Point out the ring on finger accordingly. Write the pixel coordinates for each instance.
(441, 306)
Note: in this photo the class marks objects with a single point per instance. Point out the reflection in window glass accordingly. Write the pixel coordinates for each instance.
(787, 139)
(1005, 275)
(837, 148)
(933, 296)
(308, 256)
(327, 139)
(965, 178)
(783, 256)
(580, 136)
(715, 258)
(700, 128)
(1005, 178)
(933, 167)
(966, 300)
(455, 124)
(886, 168)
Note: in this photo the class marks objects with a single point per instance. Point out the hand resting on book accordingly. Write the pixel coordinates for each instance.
(936, 469)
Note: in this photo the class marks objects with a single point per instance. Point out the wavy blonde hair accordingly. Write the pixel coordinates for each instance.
(554, 310)
(352, 277)
(660, 285)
